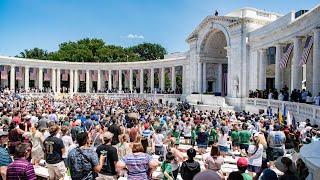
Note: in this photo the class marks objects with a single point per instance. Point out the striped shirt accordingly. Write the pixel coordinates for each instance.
(21, 169)
(5, 159)
(138, 165)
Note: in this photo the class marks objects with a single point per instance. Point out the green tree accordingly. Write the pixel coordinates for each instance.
(35, 53)
(149, 51)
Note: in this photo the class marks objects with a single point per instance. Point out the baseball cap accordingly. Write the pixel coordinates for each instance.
(268, 174)
(3, 133)
(242, 162)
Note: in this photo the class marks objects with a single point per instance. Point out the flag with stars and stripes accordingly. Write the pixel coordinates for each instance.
(4, 72)
(285, 57)
(33, 74)
(46, 75)
(18, 73)
(306, 50)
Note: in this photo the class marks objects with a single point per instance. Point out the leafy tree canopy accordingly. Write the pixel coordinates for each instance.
(96, 50)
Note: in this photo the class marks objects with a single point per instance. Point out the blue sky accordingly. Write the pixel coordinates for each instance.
(25, 24)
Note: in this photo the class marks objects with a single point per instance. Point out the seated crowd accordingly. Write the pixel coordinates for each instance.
(93, 137)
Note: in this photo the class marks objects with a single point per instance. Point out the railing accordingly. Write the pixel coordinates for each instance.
(113, 95)
(300, 110)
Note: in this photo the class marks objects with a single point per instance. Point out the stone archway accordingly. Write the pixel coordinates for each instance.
(214, 62)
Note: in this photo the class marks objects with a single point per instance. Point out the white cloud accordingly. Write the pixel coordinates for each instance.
(135, 36)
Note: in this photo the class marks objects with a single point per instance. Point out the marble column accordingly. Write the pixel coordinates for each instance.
(141, 81)
(58, 80)
(162, 79)
(219, 79)
(184, 83)
(120, 79)
(26, 78)
(71, 82)
(99, 81)
(131, 80)
(88, 81)
(152, 80)
(12, 77)
(296, 70)
(109, 79)
(204, 77)
(76, 80)
(40, 78)
(199, 77)
(262, 69)
(278, 74)
(54, 80)
(316, 62)
(173, 79)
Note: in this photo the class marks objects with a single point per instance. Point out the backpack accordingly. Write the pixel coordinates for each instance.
(86, 173)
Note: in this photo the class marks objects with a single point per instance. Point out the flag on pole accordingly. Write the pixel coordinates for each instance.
(127, 75)
(289, 119)
(138, 76)
(280, 118)
(285, 57)
(4, 72)
(294, 123)
(306, 50)
(116, 77)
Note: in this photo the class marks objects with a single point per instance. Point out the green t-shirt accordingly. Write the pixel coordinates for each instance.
(193, 134)
(166, 167)
(176, 135)
(235, 136)
(246, 176)
(213, 135)
(244, 137)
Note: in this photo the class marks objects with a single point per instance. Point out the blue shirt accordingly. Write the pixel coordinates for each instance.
(5, 159)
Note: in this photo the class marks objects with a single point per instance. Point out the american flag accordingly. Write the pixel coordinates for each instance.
(138, 76)
(46, 75)
(127, 75)
(106, 75)
(285, 57)
(64, 75)
(33, 74)
(116, 77)
(18, 73)
(94, 76)
(4, 72)
(224, 79)
(169, 74)
(306, 50)
(82, 75)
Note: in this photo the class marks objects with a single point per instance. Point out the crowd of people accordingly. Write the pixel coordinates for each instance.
(94, 137)
(301, 96)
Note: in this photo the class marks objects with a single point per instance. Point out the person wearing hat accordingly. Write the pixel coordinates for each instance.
(53, 149)
(5, 159)
(276, 141)
(285, 165)
(108, 170)
(242, 165)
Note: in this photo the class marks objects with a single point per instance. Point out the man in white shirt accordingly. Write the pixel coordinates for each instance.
(317, 100)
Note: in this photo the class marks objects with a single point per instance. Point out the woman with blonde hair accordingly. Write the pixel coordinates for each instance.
(123, 146)
(255, 154)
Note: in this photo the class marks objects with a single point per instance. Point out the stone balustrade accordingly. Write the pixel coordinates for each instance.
(301, 111)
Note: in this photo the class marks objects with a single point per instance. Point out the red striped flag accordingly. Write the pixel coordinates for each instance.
(94, 76)
(64, 75)
(285, 57)
(127, 75)
(33, 74)
(106, 75)
(116, 77)
(138, 76)
(82, 75)
(46, 75)
(18, 73)
(306, 50)
(4, 72)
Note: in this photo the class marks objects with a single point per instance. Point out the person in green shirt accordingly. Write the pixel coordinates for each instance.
(235, 137)
(213, 137)
(166, 167)
(244, 137)
(193, 136)
(176, 134)
(242, 165)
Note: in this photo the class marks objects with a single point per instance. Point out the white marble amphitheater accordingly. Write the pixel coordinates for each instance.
(228, 56)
